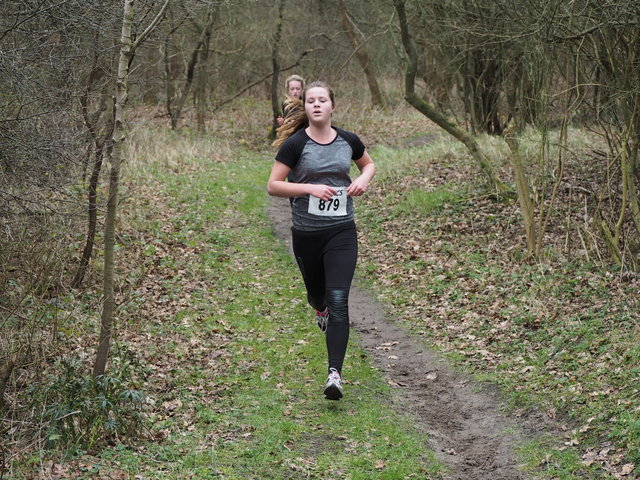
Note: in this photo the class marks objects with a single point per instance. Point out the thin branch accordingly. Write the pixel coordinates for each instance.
(151, 26)
(588, 31)
(296, 64)
(35, 14)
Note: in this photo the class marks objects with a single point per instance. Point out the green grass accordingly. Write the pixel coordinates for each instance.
(215, 308)
(238, 368)
(420, 202)
(559, 336)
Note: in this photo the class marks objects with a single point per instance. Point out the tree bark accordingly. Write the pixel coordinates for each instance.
(631, 164)
(127, 49)
(169, 87)
(201, 86)
(92, 217)
(108, 307)
(362, 57)
(275, 78)
(524, 194)
(429, 111)
(176, 111)
(99, 139)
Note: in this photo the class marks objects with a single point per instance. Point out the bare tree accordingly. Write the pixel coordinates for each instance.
(99, 124)
(605, 39)
(429, 111)
(361, 55)
(127, 49)
(175, 104)
(275, 77)
(202, 78)
(46, 56)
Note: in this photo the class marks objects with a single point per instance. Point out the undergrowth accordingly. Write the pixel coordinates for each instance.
(86, 413)
(214, 310)
(558, 333)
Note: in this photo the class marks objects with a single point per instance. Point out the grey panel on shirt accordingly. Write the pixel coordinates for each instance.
(315, 163)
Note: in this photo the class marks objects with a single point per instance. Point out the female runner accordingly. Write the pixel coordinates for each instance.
(294, 85)
(312, 169)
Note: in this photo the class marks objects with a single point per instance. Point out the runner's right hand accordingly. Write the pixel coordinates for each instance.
(323, 192)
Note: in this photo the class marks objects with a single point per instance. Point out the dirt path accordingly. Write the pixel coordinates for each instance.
(461, 418)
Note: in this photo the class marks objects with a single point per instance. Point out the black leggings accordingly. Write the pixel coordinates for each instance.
(327, 260)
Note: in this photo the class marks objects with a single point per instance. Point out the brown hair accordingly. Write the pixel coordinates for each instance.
(298, 119)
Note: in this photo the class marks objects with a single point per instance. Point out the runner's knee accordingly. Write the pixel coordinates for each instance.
(338, 303)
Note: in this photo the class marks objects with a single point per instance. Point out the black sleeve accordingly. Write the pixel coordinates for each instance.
(354, 142)
(290, 151)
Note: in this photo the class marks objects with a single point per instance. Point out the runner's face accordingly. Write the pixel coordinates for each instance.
(318, 106)
(295, 88)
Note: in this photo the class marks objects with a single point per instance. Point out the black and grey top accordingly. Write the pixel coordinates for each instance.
(324, 164)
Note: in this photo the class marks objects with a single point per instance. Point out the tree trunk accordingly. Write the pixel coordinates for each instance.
(524, 195)
(99, 139)
(631, 164)
(169, 87)
(176, 112)
(92, 218)
(275, 78)
(127, 49)
(362, 57)
(108, 307)
(201, 86)
(429, 111)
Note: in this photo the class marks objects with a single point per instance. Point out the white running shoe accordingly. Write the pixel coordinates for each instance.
(333, 389)
(322, 319)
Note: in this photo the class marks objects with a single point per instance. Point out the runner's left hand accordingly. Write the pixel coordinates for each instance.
(358, 187)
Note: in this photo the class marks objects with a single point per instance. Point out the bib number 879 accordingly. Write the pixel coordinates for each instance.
(334, 204)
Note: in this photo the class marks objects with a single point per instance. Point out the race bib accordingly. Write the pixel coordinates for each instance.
(335, 207)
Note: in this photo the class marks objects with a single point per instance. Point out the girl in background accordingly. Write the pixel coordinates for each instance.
(294, 85)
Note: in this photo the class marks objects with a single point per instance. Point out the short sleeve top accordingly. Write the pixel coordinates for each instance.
(325, 164)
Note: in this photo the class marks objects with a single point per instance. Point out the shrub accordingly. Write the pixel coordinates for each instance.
(82, 411)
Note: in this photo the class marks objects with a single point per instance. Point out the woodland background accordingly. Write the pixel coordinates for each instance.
(536, 75)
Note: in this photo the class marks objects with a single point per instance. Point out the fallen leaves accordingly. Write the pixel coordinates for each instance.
(626, 469)
(379, 465)
(611, 461)
(171, 405)
(455, 274)
(386, 346)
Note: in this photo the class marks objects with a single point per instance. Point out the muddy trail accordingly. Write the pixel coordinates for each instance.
(463, 420)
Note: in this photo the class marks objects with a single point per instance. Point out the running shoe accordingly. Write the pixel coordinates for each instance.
(333, 389)
(322, 319)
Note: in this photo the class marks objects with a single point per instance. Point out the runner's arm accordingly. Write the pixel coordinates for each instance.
(277, 185)
(367, 171)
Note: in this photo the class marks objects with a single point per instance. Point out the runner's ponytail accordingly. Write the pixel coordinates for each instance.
(293, 122)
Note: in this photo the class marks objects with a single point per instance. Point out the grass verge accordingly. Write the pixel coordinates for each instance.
(559, 334)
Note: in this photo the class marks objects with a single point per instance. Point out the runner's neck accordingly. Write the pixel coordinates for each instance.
(322, 135)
